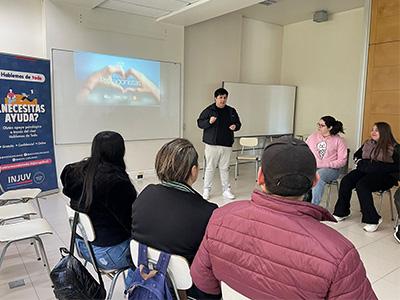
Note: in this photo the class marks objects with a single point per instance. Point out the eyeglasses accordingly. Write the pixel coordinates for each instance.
(321, 125)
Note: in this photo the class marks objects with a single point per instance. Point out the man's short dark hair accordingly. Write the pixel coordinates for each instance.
(220, 92)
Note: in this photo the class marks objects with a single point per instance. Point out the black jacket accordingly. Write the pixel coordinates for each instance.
(113, 195)
(171, 220)
(378, 167)
(210, 131)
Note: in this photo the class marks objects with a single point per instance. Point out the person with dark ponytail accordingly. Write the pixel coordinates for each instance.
(100, 187)
(378, 167)
(330, 152)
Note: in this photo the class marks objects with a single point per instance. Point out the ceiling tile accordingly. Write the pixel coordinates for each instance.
(128, 7)
(169, 5)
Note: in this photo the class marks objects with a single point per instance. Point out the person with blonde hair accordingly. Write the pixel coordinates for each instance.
(172, 216)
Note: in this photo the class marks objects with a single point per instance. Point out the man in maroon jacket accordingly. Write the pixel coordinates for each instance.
(274, 245)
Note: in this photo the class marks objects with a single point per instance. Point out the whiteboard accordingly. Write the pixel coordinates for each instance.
(263, 109)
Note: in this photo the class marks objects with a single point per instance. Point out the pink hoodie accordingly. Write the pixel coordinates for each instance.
(329, 152)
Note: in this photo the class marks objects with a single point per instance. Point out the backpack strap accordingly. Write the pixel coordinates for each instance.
(162, 263)
(142, 257)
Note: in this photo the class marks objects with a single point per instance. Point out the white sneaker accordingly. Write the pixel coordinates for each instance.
(372, 227)
(340, 219)
(206, 194)
(228, 194)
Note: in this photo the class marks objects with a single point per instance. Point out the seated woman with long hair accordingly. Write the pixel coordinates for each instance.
(100, 187)
(377, 170)
(330, 152)
(172, 216)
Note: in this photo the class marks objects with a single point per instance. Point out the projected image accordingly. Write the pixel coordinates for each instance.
(112, 80)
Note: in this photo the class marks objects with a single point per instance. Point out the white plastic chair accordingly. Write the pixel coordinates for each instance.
(247, 144)
(27, 230)
(85, 229)
(178, 267)
(22, 195)
(230, 294)
(16, 211)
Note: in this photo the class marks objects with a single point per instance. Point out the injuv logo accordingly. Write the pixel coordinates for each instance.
(19, 177)
(39, 177)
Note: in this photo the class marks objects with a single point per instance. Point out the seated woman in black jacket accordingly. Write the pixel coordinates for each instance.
(172, 216)
(100, 187)
(377, 170)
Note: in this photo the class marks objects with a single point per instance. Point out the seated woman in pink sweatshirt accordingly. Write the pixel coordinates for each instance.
(330, 152)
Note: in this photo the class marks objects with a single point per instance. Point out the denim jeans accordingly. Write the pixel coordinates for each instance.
(109, 258)
(326, 175)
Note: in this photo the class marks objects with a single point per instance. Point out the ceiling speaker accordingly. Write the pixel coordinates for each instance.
(320, 16)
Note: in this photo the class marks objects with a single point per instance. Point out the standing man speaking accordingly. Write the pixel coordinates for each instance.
(218, 122)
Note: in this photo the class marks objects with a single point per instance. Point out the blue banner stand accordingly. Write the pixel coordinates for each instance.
(27, 157)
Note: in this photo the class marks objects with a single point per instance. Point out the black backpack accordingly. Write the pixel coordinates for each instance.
(71, 280)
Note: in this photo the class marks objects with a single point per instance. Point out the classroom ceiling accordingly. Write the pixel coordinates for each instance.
(285, 12)
(188, 12)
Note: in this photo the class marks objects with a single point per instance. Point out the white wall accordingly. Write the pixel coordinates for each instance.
(212, 54)
(227, 48)
(324, 61)
(105, 31)
(21, 27)
(261, 52)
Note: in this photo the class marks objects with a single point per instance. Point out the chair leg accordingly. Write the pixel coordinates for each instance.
(43, 252)
(391, 204)
(328, 199)
(3, 253)
(33, 242)
(256, 170)
(39, 208)
(380, 205)
(204, 167)
(175, 290)
(112, 285)
(236, 170)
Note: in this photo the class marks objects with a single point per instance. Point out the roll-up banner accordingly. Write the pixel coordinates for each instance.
(26, 134)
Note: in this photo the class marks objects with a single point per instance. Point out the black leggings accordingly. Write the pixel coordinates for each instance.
(365, 184)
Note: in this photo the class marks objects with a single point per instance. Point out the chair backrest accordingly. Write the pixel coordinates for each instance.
(178, 267)
(248, 142)
(230, 294)
(84, 221)
(345, 169)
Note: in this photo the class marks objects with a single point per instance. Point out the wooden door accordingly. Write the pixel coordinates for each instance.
(382, 100)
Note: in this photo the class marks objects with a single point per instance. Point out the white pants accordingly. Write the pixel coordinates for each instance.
(217, 156)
